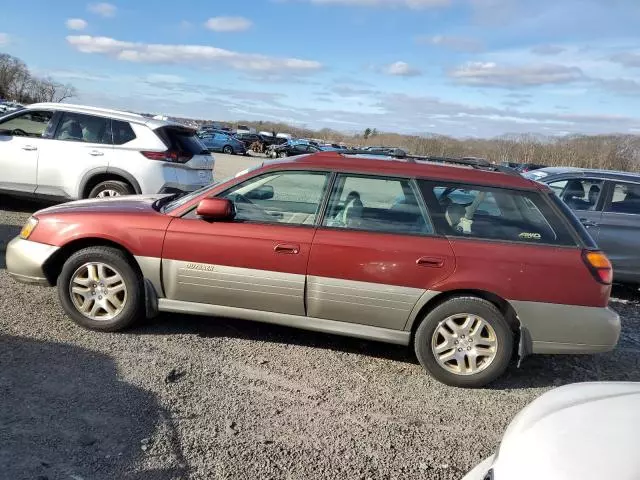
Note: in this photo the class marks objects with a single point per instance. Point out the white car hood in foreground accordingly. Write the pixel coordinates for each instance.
(585, 431)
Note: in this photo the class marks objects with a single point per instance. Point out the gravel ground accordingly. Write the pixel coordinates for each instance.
(206, 398)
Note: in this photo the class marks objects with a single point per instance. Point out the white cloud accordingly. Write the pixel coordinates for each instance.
(414, 4)
(103, 9)
(547, 50)
(5, 39)
(228, 24)
(401, 69)
(627, 59)
(196, 55)
(490, 74)
(164, 78)
(461, 44)
(76, 24)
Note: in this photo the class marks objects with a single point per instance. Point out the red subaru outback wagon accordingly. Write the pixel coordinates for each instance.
(466, 264)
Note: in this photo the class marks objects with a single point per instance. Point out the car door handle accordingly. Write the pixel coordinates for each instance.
(29, 148)
(287, 248)
(96, 153)
(588, 223)
(434, 262)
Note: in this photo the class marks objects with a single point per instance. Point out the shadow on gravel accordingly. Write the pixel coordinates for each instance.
(7, 232)
(65, 414)
(171, 324)
(22, 204)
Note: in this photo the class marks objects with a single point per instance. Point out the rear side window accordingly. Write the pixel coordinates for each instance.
(494, 213)
(182, 140)
(626, 199)
(122, 132)
(377, 204)
(579, 193)
(77, 127)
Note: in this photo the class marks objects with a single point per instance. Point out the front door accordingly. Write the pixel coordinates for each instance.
(259, 260)
(80, 143)
(21, 139)
(619, 227)
(375, 255)
(585, 196)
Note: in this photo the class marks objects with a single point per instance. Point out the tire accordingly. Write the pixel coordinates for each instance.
(282, 154)
(228, 149)
(73, 275)
(111, 188)
(456, 311)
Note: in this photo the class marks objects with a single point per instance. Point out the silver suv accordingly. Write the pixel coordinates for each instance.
(72, 151)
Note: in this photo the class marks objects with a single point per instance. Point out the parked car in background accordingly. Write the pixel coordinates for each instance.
(608, 204)
(290, 149)
(225, 143)
(523, 167)
(585, 431)
(249, 139)
(384, 249)
(70, 151)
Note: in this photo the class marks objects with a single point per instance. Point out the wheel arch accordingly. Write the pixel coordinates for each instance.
(53, 266)
(101, 174)
(500, 303)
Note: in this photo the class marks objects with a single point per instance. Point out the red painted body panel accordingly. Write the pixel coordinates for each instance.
(242, 245)
(129, 221)
(380, 258)
(525, 272)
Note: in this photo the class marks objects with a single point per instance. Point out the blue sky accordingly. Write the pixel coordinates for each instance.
(457, 67)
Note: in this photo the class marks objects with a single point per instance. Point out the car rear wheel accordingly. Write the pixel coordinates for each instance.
(110, 188)
(228, 149)
(464, 342)
(100, 290)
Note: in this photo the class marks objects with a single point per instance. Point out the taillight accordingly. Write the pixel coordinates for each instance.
(599, 265)
(169, 156)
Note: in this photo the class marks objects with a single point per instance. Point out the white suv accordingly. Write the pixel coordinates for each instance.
(71, 152)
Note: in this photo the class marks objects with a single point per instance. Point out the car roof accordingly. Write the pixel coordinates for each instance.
(385, 165)
(581, 172)
(105, 112)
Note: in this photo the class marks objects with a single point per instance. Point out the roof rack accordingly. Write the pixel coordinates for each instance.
(473, 162)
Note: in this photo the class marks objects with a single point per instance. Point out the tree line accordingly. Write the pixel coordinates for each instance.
(611, 152)
(19, 84)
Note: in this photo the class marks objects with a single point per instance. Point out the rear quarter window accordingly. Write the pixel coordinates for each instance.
(475, 211)
(122, 132)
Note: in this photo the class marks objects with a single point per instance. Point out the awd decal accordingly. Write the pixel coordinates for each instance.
(529, 235)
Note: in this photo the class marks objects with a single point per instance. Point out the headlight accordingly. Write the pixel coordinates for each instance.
(28, 228)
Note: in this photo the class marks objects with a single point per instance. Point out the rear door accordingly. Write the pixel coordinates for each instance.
(259, 260)
(619, 231)
(80, 143)
(375, 255)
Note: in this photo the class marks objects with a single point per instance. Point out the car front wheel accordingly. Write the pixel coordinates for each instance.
(99, 289)
(464, 342)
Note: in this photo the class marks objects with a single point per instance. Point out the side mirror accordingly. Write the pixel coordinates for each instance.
(263, 192)
(219, 209)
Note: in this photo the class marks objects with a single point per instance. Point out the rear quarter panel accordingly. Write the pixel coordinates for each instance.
(519, 271)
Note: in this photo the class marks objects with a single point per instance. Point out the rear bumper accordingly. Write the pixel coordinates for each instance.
(573, 329)
(25, 260)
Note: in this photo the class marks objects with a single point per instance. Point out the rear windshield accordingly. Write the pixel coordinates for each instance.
(182, 140)
(575, 223)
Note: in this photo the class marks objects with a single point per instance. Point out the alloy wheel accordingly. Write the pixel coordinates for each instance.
(98, 291)
(108, 192)
(464, 344)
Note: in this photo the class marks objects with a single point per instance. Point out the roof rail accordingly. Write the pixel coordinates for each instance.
(473, 162)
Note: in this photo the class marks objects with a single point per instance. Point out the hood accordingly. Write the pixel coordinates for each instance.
(586, 431)
(124, 204)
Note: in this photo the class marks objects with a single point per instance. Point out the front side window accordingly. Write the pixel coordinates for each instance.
(578, 193)
(377, 204)
(494, 213)
(626, 199)
(291, 198)
(76, 127)
(32, 123)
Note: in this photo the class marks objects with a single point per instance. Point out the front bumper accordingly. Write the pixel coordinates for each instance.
(25, 260)
(571, 329)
